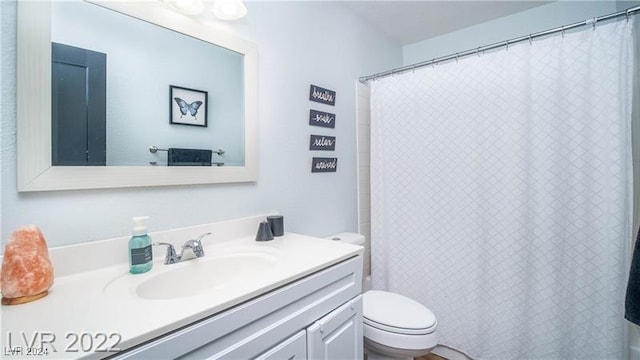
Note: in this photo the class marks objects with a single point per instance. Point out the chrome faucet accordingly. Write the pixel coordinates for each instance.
(195, 245)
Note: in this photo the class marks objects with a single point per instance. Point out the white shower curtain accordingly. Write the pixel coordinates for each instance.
(501, 195)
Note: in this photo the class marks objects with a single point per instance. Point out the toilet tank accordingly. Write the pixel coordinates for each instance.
(349, 238)
(356, 239)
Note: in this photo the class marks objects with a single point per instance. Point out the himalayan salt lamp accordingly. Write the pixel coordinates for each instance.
(27, 273)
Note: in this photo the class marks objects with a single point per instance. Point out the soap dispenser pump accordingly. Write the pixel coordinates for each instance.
(140, 252)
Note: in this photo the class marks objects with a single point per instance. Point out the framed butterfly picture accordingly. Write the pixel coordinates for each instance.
(187, 106)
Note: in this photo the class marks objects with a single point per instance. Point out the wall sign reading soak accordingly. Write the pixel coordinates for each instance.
(321, 118)
(322, 95)
(324, 164)
(322, 142)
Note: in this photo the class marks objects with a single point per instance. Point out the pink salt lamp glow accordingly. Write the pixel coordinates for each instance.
(27, 273)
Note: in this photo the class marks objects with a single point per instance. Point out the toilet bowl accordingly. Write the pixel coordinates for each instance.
(394, 326)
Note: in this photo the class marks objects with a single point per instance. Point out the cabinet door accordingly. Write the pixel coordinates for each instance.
(294, 348)
(338, 335)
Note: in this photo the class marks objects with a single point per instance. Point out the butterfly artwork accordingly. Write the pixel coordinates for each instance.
(188, 106)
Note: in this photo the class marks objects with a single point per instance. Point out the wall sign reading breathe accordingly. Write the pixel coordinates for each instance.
(324, 164)
(322, 95)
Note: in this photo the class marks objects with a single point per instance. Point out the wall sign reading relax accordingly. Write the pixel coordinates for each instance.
(322, 95)
(322, 142)
(324, 164)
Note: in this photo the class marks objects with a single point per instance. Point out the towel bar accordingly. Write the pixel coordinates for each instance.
(216, 163)
(153, 149)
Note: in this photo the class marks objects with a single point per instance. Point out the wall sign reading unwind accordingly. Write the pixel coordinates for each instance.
(324, 164)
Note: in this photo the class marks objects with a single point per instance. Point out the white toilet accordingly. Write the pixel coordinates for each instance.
(395, 326)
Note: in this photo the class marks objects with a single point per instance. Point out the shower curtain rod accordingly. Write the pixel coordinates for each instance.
(631, 11)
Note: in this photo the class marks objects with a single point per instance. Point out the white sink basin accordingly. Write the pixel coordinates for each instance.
(195, 277)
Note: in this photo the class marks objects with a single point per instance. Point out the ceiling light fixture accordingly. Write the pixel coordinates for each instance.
(229, 9)
(187, 7)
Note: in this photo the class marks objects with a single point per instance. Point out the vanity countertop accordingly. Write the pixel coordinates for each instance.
(99, 309)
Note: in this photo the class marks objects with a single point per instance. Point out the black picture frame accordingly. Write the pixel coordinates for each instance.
(188, 106)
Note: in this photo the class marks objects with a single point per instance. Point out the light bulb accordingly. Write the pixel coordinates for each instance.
(229, 9)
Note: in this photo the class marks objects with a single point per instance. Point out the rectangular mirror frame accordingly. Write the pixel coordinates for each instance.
(35, 172)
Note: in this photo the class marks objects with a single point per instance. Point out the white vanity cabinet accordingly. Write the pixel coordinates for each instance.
(316, 317)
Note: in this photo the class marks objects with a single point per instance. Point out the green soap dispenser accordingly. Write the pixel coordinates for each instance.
(140, 252)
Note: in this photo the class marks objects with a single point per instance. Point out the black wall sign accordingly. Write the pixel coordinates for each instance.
(324, 165)
(321, 118)
(322, 95)
(322, 142)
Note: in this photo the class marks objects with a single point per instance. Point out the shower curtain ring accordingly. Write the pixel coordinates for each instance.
(478, 51)
(595, 20)
(530, 40)
(562, 29)
(628, 14)
(433, 63)
(456, 57)
(507, 44)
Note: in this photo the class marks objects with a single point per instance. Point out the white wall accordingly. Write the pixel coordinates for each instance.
(540, 18)
(299, 43)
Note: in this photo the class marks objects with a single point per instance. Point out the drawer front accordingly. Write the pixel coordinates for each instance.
(294, 348)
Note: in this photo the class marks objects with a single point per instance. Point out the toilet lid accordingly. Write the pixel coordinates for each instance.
(396, 313)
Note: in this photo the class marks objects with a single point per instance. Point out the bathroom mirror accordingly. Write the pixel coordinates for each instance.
(34, 149)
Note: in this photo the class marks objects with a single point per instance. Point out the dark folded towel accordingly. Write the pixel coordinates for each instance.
(189, 157)
(632, 302)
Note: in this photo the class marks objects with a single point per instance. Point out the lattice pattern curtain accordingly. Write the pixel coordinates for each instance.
(501, 195)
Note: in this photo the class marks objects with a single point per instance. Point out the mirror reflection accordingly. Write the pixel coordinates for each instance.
(121, 86)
